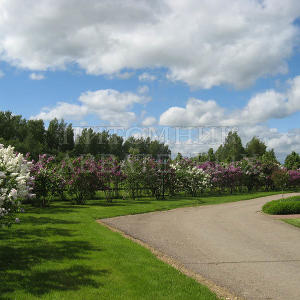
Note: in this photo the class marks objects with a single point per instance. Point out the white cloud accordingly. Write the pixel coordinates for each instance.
(196, 113)
(63, 110)
(260, 108)
(149, 121)
(36, 76)
(125, 75)
(203, 43)
(248, 121)
(146, 77)
(1, 74)
(109, 105)
(144, 89)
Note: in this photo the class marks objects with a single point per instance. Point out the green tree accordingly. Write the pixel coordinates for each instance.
(178, 156)
(255, 148)
(292, 161)
(269, 157)
(211, 155)
(232, 149)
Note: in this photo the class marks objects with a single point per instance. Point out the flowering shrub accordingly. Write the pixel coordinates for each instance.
(139, 175)
(252, 173)
(133, 170)
(49, 181)
(15, 183)
(83, 181)
(294, 178)
(158, 177)
(190, 178)
(280, 178)
(146, 173)
(110, 176)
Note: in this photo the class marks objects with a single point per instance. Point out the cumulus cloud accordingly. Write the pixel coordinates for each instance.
(63, 110)
(36, 76)
(109, 105)
(202, 43)
(260, 108)
(1, 74)
(149, 121)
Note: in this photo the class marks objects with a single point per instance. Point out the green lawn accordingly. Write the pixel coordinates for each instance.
(295, 222)
(60, 252)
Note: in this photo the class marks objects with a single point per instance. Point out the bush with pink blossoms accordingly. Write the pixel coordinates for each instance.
(294, 178)
(83, 180)
(110, 176)
(49, 181)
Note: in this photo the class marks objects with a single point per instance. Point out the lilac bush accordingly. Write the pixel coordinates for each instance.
(294, 178)
(15, 183)
(49, 181)
(190, 177)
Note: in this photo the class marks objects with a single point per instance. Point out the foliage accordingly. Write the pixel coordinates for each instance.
(59, 138)
(280, 178)
(231, 150)
(255, 148)
(269, 157)
(190, 177)
(294, 178)
(49, 180)
(283, 207)
(292, 161)
(84, 179)
(15, 183)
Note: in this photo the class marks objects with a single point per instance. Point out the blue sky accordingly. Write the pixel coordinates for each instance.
(156, 64)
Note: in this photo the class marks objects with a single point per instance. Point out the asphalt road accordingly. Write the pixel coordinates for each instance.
(234, 245)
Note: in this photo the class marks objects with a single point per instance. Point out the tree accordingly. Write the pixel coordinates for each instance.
(202, 157)
(52, 136)
(269, 157)
(115, 144)
(211, 155)
(178, 157)
(232, 150)
(292, 161)
(255, 148)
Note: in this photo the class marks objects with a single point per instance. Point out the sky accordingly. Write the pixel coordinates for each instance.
(206, 67)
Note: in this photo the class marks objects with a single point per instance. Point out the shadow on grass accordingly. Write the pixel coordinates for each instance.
(44, 220)
(24, 257)
(31, 233)
(38, 283)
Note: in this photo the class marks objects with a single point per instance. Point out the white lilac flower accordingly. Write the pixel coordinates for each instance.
(14, 179)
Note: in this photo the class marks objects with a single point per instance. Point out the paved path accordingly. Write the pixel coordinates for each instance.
(236, 246)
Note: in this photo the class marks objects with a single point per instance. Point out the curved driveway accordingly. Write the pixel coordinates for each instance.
(234, 245)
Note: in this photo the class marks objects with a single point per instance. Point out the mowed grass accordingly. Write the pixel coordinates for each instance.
(60, 252)
(295, 222)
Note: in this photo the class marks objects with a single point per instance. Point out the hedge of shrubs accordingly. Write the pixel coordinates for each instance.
(80, 178)
(287, 206)
(138, 176)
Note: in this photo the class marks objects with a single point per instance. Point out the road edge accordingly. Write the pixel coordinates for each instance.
(221, 292)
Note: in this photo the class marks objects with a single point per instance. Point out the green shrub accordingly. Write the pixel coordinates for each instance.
(287, 206)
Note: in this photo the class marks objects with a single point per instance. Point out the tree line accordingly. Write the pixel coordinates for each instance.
(31, 136)
(232, 150)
